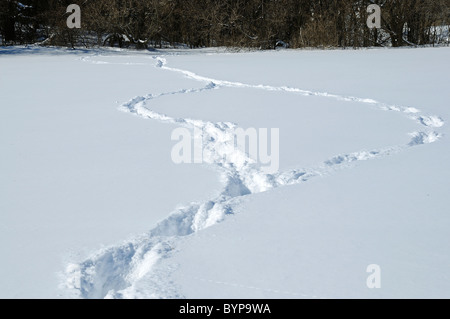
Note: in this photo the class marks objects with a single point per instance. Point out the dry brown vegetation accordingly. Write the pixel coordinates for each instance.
(237, 23)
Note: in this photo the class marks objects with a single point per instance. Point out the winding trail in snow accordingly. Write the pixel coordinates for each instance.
(114, 271)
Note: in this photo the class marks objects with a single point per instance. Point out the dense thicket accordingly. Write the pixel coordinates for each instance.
(238, 23)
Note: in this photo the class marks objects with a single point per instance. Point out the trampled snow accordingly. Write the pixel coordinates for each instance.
(92, 205)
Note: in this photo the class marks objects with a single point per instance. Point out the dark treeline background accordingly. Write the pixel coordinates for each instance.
(237, 23)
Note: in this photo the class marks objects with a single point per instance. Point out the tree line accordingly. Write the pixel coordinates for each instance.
(262, 24)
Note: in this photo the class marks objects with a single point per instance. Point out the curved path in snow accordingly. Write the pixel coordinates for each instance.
(112, 272)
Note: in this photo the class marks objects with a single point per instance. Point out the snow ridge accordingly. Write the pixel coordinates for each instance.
(114, 272)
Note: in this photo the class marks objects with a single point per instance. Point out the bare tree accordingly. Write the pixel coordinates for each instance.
(240, 23)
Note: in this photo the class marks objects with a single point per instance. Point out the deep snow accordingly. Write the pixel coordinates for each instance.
(363, 175)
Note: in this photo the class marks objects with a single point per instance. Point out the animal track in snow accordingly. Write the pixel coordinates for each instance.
(113, 272)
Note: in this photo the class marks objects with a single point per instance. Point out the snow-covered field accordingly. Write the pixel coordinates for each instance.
(93, 206)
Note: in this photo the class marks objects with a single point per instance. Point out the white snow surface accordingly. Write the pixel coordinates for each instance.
(92, 206)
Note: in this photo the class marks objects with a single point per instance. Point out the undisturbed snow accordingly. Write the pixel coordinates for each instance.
(93, 207)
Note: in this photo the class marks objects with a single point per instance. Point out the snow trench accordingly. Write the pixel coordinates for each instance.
(113, 272)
